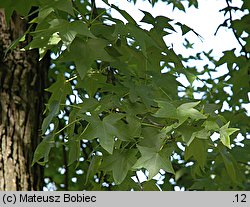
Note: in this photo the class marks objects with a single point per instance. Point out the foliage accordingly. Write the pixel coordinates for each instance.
(114, 107)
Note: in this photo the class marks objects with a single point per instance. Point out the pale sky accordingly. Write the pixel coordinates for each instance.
(204, 21)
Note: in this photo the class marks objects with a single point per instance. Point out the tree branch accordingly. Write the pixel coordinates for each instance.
(234, 31)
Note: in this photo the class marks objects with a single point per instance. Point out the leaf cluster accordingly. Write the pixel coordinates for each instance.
(114, 110)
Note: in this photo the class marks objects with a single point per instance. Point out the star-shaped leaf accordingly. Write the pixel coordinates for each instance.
(187, 110)
(84, 53)
(225, 132)
(198, 151)
(182, 113)
(106, 130)
(166, 110)
(153, 160)
(120, 162)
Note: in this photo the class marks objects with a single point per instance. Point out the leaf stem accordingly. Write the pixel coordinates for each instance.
(97, 17)
(58, 132)
(151, 125)
(76, 9)
(70, 105)
(70, 79)
(84, 130)
(166, 94)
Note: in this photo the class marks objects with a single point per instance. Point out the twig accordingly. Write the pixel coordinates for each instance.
(139, 183)
(234, 32)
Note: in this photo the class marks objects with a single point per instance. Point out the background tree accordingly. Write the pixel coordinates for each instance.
(114, 107)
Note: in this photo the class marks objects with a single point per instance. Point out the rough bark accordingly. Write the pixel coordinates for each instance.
(22, 83)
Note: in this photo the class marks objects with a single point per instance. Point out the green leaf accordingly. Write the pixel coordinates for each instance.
(91, 82)
(185, 29)
(148, 18)
(228, 57)
(70, 30)
(167, 110)
(103, 31)
(210, 125)
(56, 30)
(113, 51)
(86, 54)
(187, 110)
(124, 14)
(133, 129)
(94, 165)
(202, 134)
(194, 3)
(197, 150)
(74, 150)
(120, 162)
(59, 90)
(150, 186)
(153, 160)
(21, 7)
(107, 130)
(63, 5)
(53, 111)
(190, 76)
(168, 90)
(43, 150)
(162, 22)
(142, 37)
(188, 132)
(177, 4)
(43, 13)
(152, 138)
(172, 57)
(229, 163)
(225, 132)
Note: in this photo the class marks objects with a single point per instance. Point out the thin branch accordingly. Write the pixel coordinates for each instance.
(138, 181)
(151, 125)
(234, 32)
(66, 174)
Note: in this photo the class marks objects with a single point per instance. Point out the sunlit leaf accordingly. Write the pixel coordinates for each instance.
(153, 160)
(225, 132)
(187, 110)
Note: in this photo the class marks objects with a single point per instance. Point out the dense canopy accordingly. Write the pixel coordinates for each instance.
(114, 106)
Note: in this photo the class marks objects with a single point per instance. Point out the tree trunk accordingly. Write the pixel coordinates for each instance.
(22, 83)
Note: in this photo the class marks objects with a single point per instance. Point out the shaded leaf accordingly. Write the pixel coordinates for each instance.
(86, 54)
(198, 151)
(43, 150)
(120, 163)
(167, 110)
(124, 14)
(74, 150)
(107, 130)
(53, 111)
